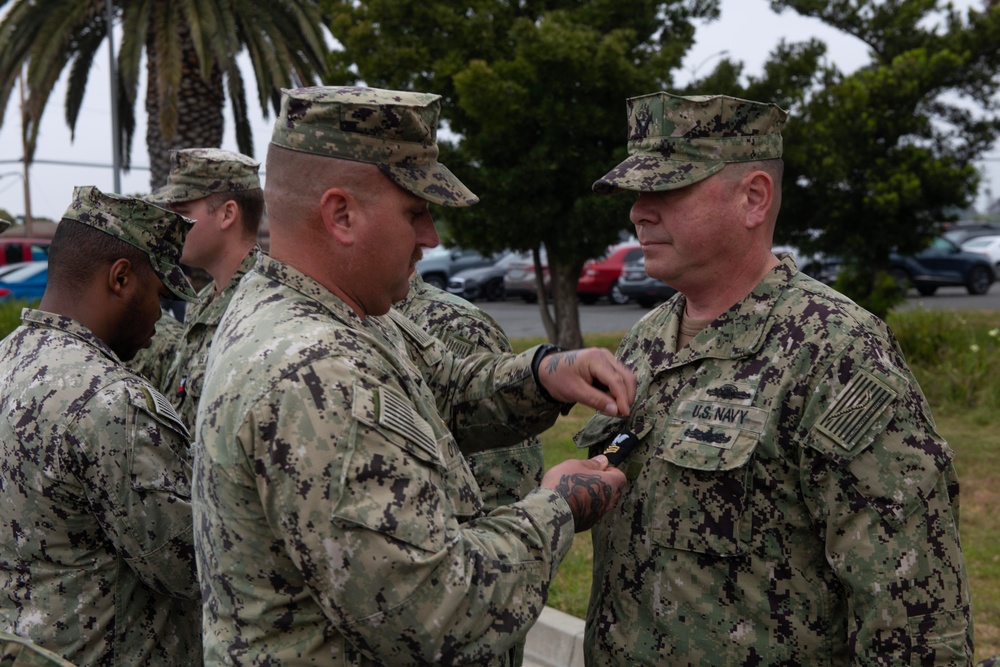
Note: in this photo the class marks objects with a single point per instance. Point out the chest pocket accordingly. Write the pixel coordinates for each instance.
(702, 477)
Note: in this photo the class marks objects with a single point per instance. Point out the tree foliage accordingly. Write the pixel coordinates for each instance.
(191, 48)
(879, 158)
(534, 96)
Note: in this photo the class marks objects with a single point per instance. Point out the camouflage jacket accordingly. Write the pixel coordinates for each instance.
(337, 522)
(98, 560)
(183, 380)
(152, 362)
(790, 501)
(505, 474)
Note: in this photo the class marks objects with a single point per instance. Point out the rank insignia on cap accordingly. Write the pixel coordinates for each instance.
(854, 412)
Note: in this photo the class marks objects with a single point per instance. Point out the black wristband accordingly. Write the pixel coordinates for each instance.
(542, 352)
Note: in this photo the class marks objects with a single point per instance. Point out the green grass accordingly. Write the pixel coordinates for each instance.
(956, 358)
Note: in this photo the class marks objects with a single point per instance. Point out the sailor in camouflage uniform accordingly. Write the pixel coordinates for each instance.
(97, 563)
(336, 520)
(790, 502)
(504, 474)
(220, 191)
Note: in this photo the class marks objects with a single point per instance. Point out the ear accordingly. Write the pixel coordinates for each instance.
(339, 209)
(121, 277)
(228, 212)
(759, 191)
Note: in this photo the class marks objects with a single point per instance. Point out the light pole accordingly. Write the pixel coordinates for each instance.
(115, 137)
(719, 54)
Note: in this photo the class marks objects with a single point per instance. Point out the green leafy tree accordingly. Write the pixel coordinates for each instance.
(534, 96)
(191, 50)
(878, 159)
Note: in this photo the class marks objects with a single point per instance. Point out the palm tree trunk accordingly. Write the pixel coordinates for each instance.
(199, 119)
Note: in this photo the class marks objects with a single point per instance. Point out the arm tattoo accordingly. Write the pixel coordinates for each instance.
(552, 361)
(588, 498)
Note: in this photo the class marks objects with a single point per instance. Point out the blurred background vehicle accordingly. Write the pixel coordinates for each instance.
(987, 246)
(599, 277)
(644, 290)
(15, 249)
(440, 263)
(485, 282)
(26, 283)
(960, 232)
(942, 264)
(519, 280)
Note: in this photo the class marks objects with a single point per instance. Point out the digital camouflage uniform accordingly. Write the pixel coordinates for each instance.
(98, 561)
(182, 383)
(790, 502)
(152, 362)
(337, 521)
(505, 474)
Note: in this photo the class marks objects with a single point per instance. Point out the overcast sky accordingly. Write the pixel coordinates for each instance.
(748, 30)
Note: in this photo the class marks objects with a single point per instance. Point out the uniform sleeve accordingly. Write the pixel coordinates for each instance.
(129, 454)
(369, 512)
(881, 485)
(487, 400)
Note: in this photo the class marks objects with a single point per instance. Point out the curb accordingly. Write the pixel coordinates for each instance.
(556, 640)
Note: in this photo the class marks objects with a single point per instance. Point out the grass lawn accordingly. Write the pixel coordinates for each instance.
(956, 357)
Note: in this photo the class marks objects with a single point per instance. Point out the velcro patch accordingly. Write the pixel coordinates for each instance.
(158, 405)
(853, 412)
(395, 414)
(459, 346)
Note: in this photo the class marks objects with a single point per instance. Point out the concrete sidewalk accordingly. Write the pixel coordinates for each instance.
(556, 640)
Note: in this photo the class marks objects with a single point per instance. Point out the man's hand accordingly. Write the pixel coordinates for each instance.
(590, 487)
(590, 376)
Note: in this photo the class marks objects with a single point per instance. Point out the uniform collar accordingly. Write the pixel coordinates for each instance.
(739, 331)
(42, 319)
(300, 282)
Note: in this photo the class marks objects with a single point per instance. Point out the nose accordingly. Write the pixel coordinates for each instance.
(427, 235)
(639, 213)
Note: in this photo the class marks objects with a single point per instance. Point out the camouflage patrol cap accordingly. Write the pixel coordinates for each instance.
(395, 130)
(676, 141)
(156, 231)
(4, 225)
(199, 172)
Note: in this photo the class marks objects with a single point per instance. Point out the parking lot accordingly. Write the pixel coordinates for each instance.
(522, 320)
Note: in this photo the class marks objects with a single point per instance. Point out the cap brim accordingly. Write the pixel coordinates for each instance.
(645, 172)
(435, 183)
(175, 280)
(5, 225)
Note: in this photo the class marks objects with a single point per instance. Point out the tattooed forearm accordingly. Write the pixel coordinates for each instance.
(589, 497)
(553, 360)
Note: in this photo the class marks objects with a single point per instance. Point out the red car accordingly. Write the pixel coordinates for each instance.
(600, 276)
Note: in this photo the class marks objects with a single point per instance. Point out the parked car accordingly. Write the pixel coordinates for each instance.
(943, 264)
(486, 282)
(960, 232)
(641, 288)
(15, 249)
(987, 246)
(440, 263)
(519, 280)
(599, 277)
(27, 283)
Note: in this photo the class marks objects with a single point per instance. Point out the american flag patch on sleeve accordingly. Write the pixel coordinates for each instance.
(855, 411)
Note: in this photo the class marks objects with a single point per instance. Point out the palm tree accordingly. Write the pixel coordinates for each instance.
(191, 49)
